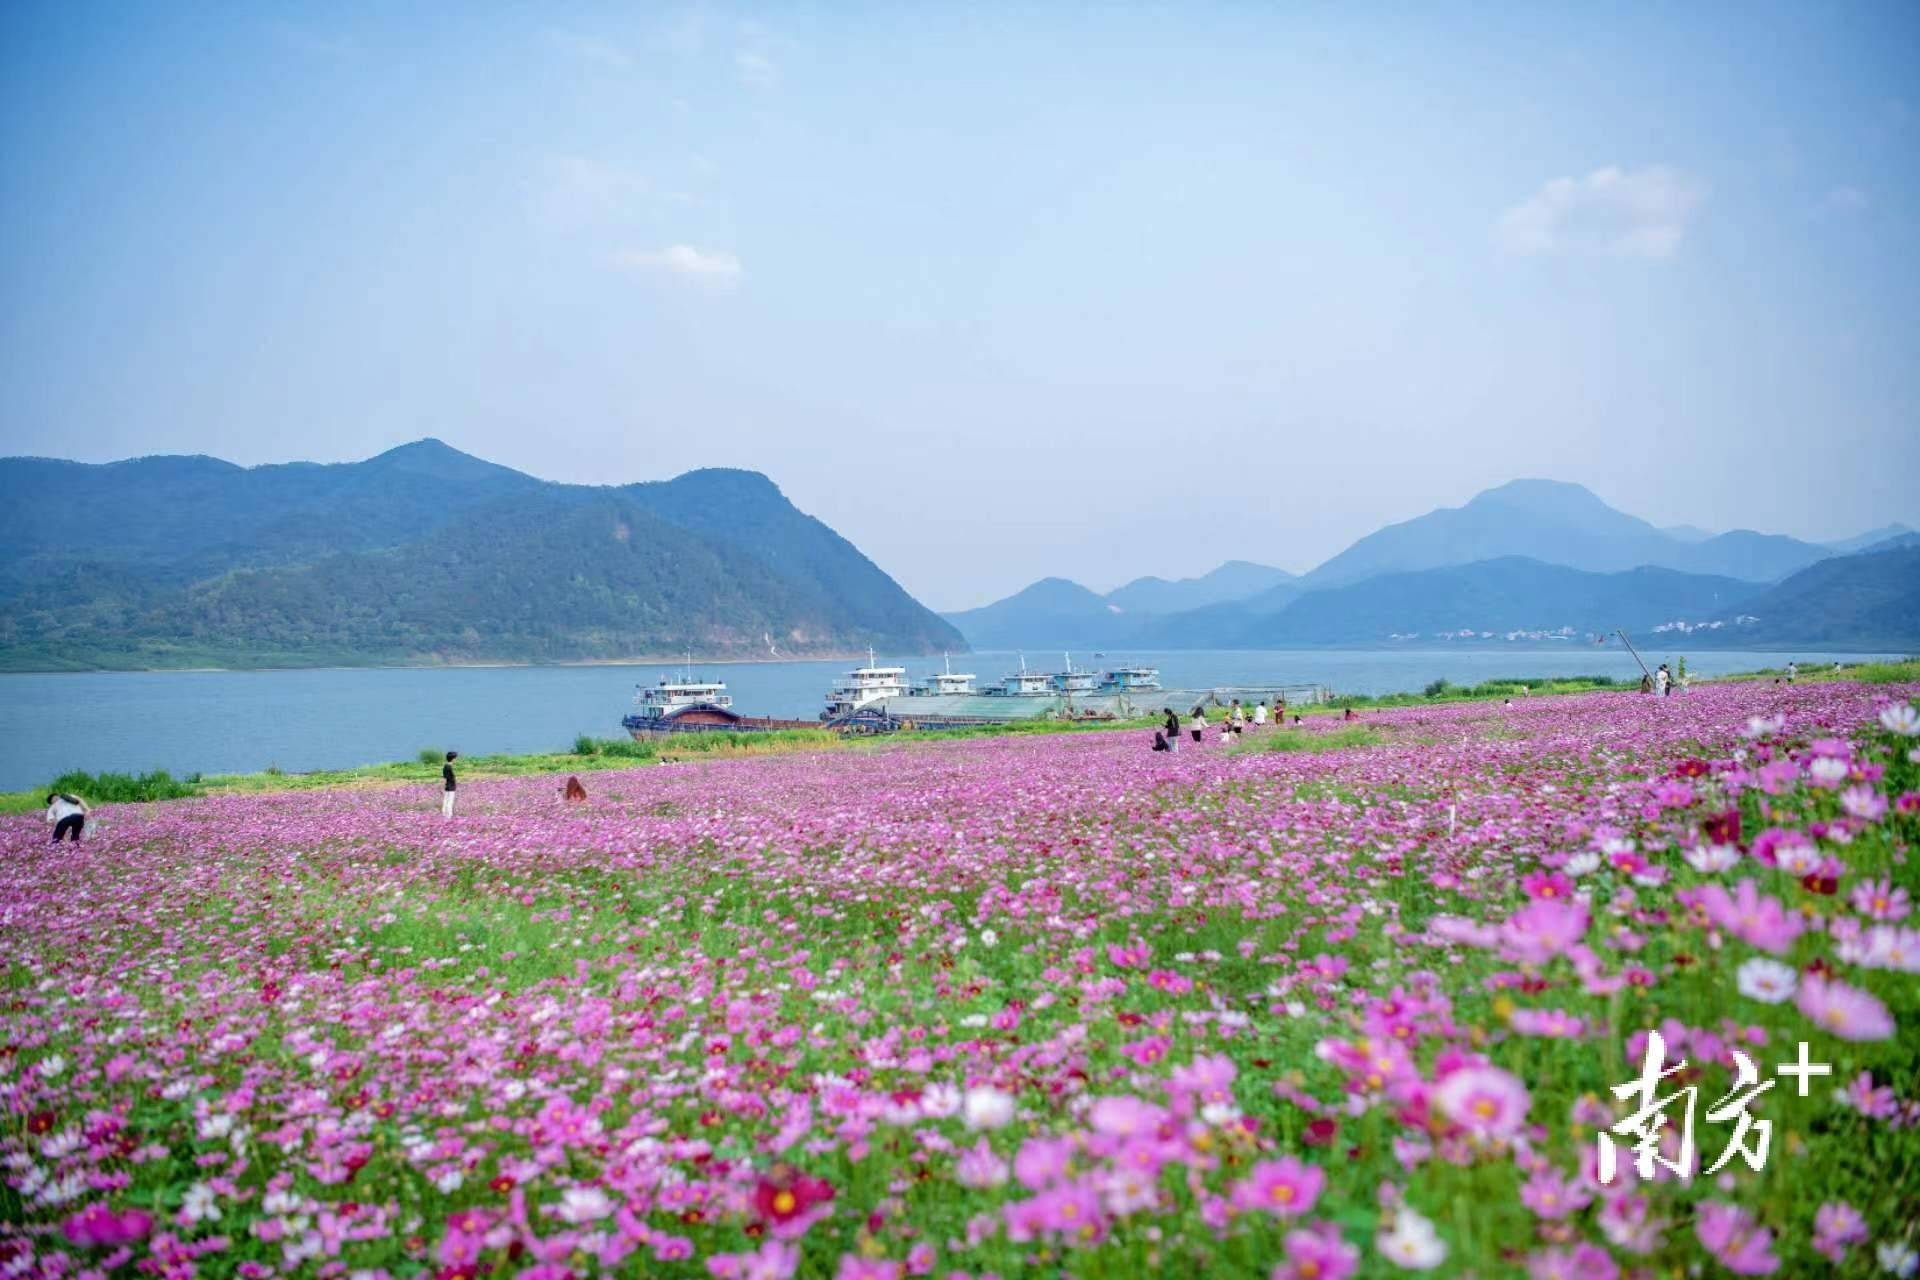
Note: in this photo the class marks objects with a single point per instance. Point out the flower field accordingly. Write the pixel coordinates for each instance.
(1019, 1006)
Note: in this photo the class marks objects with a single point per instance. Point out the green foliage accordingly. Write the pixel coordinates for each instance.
(1435, 689)
(614, 748)
(1284, 740)
(121, 788)
(431, 756)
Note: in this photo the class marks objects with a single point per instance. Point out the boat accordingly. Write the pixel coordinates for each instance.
(1024, 683)
(1130, 679)
(1071, 680)
(673, 706)
(945, 681)
(864, 685)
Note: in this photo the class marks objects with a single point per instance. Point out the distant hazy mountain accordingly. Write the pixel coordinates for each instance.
(1202, 628)
(1234, 580)
(1557, 523)
(1511, 594)
(421, 554)
(1870, 600)
(1687, 532)
(1756, 557)
(1057, 612)
(1871, 538)
(1053, 613)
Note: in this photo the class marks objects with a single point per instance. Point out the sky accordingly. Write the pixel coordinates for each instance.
(997, 291)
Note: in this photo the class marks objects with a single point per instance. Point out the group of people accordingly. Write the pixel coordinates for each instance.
(1235, 721)
(1661, 682)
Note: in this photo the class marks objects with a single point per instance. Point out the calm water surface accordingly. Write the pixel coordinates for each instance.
(229, 722)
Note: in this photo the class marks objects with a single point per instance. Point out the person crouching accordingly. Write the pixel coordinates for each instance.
(68, 814)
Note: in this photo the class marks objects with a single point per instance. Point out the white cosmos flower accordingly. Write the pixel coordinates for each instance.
(987, 1108)
(940, 1100)
(199, 1204)
(1828, 771)
(1582, 863)
(989, 938)
(1897, 1259)
(1761, 726)
(52, 1065)
(584, 1204)
(1767, 981)
(1901, 718)
(1712, 859)
(1412, 1243)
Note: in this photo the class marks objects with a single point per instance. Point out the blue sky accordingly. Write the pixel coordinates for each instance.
(998, 291)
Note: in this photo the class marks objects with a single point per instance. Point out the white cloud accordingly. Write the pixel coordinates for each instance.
(1638, 213)
(710, 266)
(755, 68)
(591, 48)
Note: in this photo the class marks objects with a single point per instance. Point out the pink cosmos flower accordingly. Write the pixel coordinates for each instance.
(1582, 1262)
(1208, 1080)
(1875, 1103)
(1124, 1116)
(1285, 1188)
(1317, 1252)
(1739, 1243)
(1863, 802)
(1544, 928)
(1881, 900)
(978, 1166)
(1487, 1102)
(1843, 1011)
(1041, 1162)
(855, 1267)
(1552, 1196)
(1754, 917)
(1836, 1227)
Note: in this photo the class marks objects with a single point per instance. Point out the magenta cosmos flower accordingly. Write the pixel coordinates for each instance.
(1485, 1101)
(97, 1226)
(1843, 1011)
(1732, 1236)
(1283, 1187)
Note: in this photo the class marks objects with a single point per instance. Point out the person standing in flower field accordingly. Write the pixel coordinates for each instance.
(450, 788)
(68, 814)
(1172, 729)
(1198, 724)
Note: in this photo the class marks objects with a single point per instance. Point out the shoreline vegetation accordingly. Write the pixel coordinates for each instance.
(589, 755)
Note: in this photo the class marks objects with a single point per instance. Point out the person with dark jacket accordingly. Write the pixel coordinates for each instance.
(450, 790)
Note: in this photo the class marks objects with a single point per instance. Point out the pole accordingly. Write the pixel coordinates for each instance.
(1634, 652)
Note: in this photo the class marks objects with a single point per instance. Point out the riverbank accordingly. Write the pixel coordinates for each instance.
(590, 755)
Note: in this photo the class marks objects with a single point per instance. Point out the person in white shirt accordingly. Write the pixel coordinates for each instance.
(68, 814)
(1259, 714)
(1198, 724)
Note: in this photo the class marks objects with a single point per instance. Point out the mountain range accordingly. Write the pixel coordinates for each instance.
(425, 554)
(422, 554)
(1529, 561)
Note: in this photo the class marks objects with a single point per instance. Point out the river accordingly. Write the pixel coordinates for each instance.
(242, 721)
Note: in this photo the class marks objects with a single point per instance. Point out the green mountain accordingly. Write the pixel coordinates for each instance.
(421, 554)
(1870, 600)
